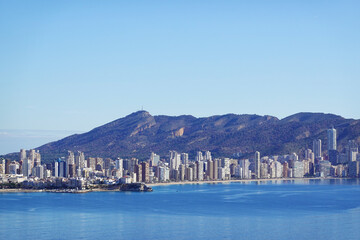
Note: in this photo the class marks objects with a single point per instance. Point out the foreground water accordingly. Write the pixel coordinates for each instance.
(301, 209)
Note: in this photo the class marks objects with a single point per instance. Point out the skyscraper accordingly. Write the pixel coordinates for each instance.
(298, 169)
(189, 174)
(145, 172)
(70, 158)
(119, 164)
(13, 167)
(351, 151)
(210, 170)
(182, 172)
(62, 169)
(56, 169)
(317, 149)
(26, 167)
(215, 169)
(257, 164)
(22, 154)
(309, 155)
(2, 166)
(331, 138)
(225, 163)
(331, 144)
(138, 171)
(80, 160)
(208, 156)
(37, 160)
(199, 156)
(175, 160)
(92, 163)
(199, 170)
(185, 159)
(32, 155)
(39, 171)
(154, 159)
(244, 164)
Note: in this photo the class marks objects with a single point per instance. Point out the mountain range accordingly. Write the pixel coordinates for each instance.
(140, 133)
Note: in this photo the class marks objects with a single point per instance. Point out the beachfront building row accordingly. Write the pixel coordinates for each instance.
(178, 167)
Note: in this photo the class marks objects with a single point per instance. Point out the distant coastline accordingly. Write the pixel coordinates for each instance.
(243, 181)
(20, 190)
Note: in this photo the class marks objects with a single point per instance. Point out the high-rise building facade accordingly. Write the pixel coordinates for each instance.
(138, 171)
(208, 156)
(298, 169)
(2, 166)
(145, 172)
(309, 155)
(22, 154)
(257, 164)
(154, 159)
(26, 167)
(210, 170)
(37, 160)
(199, 172)
(331, 138)
(14, 167)
(351, 151)
(39, 171)
(317, 149)
(175, 160)
(244, 164)
(185, 159)
(80, 160)
(199, 156)
(215, 169)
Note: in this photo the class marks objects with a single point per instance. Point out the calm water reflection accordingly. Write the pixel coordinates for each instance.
(301, 209)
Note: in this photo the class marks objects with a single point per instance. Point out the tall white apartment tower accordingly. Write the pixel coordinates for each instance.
(331, 138)
(119, 164)
(37, 161)
(22, 154)
(200, 170)
(309, 155)
(70, 158)
(32, 155)
(80, 160)
(175, 160)
(207, 156)
(257, 164)
(317, 148)
(185, 159)
(199, 156)
(154, 158)
(26, 167)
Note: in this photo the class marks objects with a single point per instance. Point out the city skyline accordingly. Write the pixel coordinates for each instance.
(177, 167)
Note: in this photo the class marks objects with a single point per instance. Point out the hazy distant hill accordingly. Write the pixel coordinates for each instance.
(139, 133)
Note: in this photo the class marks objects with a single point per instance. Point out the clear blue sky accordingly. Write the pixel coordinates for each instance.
(75, 65)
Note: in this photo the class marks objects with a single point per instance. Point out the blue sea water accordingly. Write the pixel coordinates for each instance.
(300, 209)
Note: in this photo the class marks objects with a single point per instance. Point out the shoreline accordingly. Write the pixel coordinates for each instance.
(239, 181)
(20, 190)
